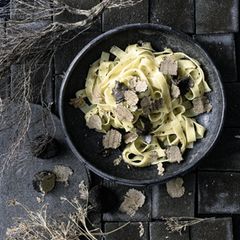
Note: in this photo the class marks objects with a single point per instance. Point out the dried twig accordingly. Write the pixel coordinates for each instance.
(39, 226)
(179, 224)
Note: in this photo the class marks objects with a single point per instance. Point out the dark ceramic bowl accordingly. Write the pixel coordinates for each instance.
(86, 144)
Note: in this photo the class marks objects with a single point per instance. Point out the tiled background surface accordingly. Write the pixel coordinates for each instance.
(214, 188)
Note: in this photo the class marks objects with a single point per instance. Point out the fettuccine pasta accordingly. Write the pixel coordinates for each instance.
(147, 99)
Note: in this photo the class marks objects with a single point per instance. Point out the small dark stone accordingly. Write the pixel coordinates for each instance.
(44, 181)
(45, 147)
(118, 91)
(103, 199)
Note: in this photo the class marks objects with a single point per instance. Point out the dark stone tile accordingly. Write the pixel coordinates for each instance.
(165, 206)
(158, 231)
(218, 193)
(42, 77)
(66, 54)
(178, 14)
(142, 214)
(226, 155)
(130, 232)
(116, 17)
(83, 4)
(221, 48)
(216, 16)
(212, 229)
(232, 93)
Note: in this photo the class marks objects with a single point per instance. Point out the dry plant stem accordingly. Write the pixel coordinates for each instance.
(37, 225)
(179, 224)
(32, 39)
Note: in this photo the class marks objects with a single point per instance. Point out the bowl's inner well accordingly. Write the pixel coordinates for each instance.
(87, 142)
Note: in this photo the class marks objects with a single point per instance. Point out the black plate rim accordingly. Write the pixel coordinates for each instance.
(124, 181)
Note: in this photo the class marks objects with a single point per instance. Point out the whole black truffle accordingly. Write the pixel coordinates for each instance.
(44, 181)
(45, 147)
(103, 199)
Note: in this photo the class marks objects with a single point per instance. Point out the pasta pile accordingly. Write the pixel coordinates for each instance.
(147, 99)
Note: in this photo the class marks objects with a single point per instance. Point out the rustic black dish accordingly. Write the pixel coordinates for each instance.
(86, 143)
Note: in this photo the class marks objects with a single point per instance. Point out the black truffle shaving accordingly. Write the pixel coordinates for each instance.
(118, 91)
(103, 199)
(184, 84)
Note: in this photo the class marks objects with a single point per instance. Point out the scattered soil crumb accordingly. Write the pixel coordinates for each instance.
(160, 169)
(62, 173)
(83, 190)
(117, 161)
(133, 200)
(112, 139)
(175, 188)
(141, 229)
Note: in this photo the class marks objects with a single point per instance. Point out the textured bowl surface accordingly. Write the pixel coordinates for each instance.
(86, 144)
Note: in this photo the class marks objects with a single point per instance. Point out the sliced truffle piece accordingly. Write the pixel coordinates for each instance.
(112, 139)
(130, 137)
(184, 84)
(145, 105)
(131, 97)
(94, 122)
(133, 82)
(141, 86)
(44, 181)
(62, 173)
(123, 114)
(156, 104)
(118, 91)
(169, 66)
(175, 91)
(175, 188)
(133, 200)
(174, 154)
(201, 105)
